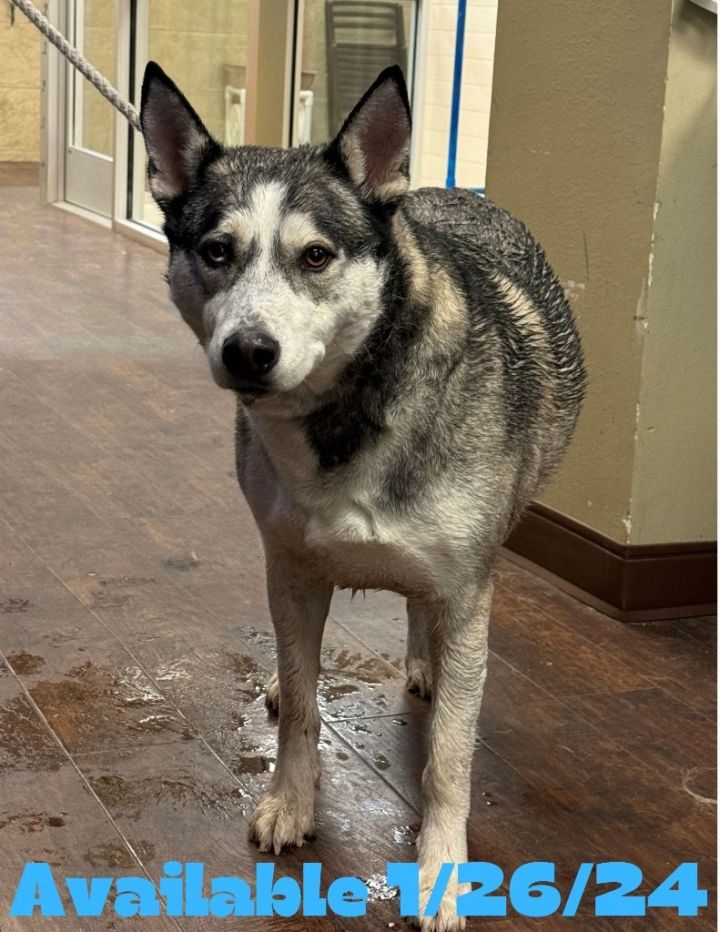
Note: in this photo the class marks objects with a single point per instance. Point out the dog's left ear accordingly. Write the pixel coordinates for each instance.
(373, 145)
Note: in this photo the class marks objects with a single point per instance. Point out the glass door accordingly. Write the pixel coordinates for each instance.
(203, 47)
(88, 161)
(345, 45)
(260, 72)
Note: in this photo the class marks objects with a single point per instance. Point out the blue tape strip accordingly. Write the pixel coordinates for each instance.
(457, 82)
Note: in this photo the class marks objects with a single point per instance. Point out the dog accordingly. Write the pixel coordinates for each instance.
(408, 374)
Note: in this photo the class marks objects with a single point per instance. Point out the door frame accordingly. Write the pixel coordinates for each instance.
(270, 119)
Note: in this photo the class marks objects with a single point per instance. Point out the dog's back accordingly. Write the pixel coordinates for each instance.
(518, 313)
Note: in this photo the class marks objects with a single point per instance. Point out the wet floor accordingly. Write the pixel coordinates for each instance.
(136, 642)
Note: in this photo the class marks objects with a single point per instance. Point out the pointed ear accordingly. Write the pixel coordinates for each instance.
(374, 143)
(175, 138)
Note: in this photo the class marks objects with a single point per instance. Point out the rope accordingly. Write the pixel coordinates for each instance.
(78, 60)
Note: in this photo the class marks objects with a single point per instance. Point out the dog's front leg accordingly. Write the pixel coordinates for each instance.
(299, 605)
(458, 632)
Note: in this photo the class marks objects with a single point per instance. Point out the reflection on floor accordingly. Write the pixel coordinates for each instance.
(136, 638)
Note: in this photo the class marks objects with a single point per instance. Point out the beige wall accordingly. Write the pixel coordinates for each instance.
(576, 131)
(675, 457)
(19, 88)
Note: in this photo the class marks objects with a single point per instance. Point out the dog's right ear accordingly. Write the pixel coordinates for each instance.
(176, 140)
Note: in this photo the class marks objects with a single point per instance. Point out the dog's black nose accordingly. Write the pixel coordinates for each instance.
(249, 355)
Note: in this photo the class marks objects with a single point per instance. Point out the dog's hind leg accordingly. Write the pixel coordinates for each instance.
(299, 605)
(418, 669)
(272, 692)
(458, 635)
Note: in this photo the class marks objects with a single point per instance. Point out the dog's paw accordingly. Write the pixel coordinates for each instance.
(272, 693)
(281, 819)
(418, 677)
(446, 918)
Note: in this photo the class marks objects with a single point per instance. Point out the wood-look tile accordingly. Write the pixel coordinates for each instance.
(180, 798)
(48, 813)
(92, 692)
(133, 609)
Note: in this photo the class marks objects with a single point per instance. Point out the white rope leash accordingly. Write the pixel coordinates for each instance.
(78, 60)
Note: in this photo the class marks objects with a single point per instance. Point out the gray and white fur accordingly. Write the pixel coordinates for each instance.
(408, 374)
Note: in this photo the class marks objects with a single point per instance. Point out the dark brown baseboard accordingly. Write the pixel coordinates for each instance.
(629, 583)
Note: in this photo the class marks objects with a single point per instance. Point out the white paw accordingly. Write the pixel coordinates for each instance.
(282, 818)
(272, 693)
(418, 678)
(439, 844)
(446, 918)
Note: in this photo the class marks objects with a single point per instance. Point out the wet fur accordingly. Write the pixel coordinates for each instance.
(446, 391)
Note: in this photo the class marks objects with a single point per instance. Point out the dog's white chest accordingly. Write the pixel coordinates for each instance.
(344, 525)
(346, 532)
(366, 547)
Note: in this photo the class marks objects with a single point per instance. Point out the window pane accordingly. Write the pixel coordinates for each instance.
(94, 116)
(202, 47)
(346, 44)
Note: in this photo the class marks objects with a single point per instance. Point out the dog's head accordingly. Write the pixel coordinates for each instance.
(278, 257)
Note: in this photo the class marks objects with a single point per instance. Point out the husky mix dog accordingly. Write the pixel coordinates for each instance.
(407, 373)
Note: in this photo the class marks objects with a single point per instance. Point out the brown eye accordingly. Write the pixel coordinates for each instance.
(216, 252)
(315, 257)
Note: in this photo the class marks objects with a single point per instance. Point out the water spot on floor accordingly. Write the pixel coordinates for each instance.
(182, 563)
(112, 581)
(263, 640)
(135, 796)
(368, 670)
(378, 889)
(108, 599)
(25, 664)
(14, 606)
(332, 691)
(252, 678)
(109, 855)
(342, 755)
(24, 742)
(110, 788)
(172, 672)
(405, 834)
(381, 762)
(359, 728)
(29, 821)
(399, 721)
(93, 704)
(257, 764)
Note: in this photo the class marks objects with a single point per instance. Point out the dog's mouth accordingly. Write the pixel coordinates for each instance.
(250, 390)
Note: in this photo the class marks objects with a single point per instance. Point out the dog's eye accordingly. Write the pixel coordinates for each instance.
(316, 257)
(216, 252)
